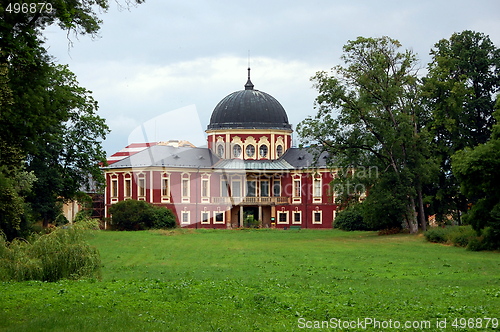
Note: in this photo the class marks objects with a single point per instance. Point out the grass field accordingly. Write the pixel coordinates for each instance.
(267, 280)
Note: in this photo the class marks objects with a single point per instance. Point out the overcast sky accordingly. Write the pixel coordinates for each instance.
(159, 69)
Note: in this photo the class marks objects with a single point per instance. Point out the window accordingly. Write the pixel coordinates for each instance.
(282, 217)
(277, 188)
(114, 188)
(236, 151)
(296, 188)
(164, 187)
(205, 219)
(185, 187)
(279, 151)
(297, 217)
(218, 217)
(204, 188)
(128, 187)
(264, 188)
(185, 217)
(317, 187)
(250, 150)
(251, 188)
(220, 151)
(223, 188)
(142, 187)
(317, 217)
(236, 189)
(263, 151)
(185, 190)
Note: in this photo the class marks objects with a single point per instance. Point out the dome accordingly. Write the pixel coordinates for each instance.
(249, 109)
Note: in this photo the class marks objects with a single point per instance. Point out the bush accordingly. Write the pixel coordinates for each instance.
(349, 220)
(132, 215)
(436, 235)
(61, 254)
(460, 236)
(162, 218)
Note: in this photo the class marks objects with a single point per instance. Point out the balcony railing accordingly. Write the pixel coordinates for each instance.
(251, 200)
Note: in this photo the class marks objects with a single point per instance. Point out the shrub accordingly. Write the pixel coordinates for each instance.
(349, 220)
(460, 236)
(61, 254)
(138, 215)
(436, 235)
(251, 222)
(162, 218)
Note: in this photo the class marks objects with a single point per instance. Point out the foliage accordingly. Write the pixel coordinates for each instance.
(227, 280)
(14, 213)
(460, 236)
(369, 116)
(138, 215)
(478, 169)
(459, 91)
(349, 220)
(61, 254)
(251, 222)
(48, 121)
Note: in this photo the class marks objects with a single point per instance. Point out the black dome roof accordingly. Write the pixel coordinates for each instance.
(249, 109)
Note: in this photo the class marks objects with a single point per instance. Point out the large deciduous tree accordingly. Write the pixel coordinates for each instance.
(369, 116)
(49, 123)
(459, 92)
(478, 171)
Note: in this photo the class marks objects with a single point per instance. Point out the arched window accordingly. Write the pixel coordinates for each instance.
(263, 151)
(279, 151)
(236, 150)
(220, 151)
(250, 150)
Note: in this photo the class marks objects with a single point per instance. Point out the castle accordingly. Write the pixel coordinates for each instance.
(249, 168)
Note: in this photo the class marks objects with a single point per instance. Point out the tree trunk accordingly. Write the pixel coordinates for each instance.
(421, 213)
(412, 216)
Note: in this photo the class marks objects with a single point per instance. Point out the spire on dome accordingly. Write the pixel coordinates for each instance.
(249, 85)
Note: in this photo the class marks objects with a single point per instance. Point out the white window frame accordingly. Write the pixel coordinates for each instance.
(127, 188)
(293, 217)
(215, 217)
(187, 213)
(185, 190)
(278, 219)
(141, 187)
(296, 198)
(320, 217)
(205, 221)
(114, 188)
(165, 190)
(205, 186)
(316, 197)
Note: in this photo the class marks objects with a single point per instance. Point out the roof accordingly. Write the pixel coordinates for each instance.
(169, 156)
(253, 164)
(249, 109)
(191, 157)
(128, 151)
(305, 158)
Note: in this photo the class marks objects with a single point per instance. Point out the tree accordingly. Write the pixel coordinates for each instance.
(48, 122)
(478, 171)
(68, 159)
(369, 116)
(459, 90)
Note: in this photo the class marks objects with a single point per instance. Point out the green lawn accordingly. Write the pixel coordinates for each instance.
(268, 280)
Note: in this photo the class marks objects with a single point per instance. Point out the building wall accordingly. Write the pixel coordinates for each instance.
(301, 208)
